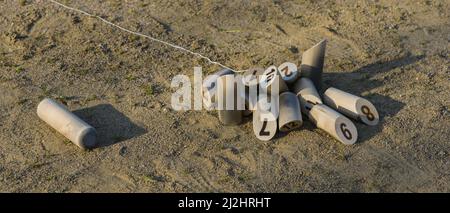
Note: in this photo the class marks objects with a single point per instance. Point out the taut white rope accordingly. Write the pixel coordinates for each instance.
(143, 35)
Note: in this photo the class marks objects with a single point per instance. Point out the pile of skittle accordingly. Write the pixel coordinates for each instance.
(298, 94)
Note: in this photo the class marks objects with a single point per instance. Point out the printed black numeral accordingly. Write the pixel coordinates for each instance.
(346, 132)
(286, 71)
(263, 131)
(366, 111)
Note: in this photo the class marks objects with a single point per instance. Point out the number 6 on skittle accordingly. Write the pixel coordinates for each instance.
(335, 124)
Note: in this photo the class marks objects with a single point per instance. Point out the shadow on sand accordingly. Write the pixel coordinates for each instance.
(359, 81)
(112, 126)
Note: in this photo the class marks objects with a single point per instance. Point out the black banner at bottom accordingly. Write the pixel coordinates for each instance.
(229, 202)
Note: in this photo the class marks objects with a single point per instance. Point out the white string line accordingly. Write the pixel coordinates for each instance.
(145, 36)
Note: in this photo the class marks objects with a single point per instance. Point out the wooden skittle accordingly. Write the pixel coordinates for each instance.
(230, 102)
(209, 88)
(312, 63)
(265, 123)
(271, 79)
(290, 113)
(334, 123)
(306, 93)
(351, 105)
(68, 124)
(289, 72)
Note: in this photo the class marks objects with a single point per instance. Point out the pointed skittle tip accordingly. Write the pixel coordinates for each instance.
(321, 44)
(316, 52)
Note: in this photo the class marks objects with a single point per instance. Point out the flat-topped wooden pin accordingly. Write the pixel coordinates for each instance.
(250, 96)
(265, 123)
(289, 72)
(250, 79)
(271, 79)
(209, 88)
(312, 63)
(306, 93)
(68, 124)
(351, 105)
(290, 117)
(230, 104)
(334, 123)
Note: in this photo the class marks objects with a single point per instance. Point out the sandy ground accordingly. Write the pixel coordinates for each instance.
(394, 53)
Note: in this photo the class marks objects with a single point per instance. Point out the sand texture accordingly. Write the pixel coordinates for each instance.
(393, 53)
